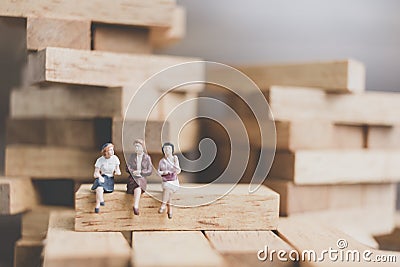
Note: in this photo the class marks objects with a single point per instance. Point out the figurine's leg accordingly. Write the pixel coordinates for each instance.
(136, 198)
(99, 196)
(165, 198)
(169, 204)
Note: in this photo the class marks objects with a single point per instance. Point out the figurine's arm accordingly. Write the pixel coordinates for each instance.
(149, 168)
(129, 167)
(161, 168)
(176, 165)
(117, 170)
(97, 174)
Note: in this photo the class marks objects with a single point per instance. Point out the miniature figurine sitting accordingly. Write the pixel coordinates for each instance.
(169, 169)
(139, 167)
(105, 168)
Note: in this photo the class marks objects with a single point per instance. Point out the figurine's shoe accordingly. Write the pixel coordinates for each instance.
(96, 210)
(102, 203)
(135, 211)
(170, 215)
(162, 209)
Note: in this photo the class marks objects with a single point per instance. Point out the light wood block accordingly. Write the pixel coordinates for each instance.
(150, 13)
(240, 248)
(65, 247)
(377, 220)
(307, 134)
(173, 248)
(45, 32)
(27, 253)
(120, 39)
(77, 133)
(371, 108)
(238, 210)
(134, 129)
(383, 137)
(161, 37)
(309, 234)
(17, 195)
(98, 68)
(302, 198)
(337, 166)
(65, 102)
(36, 222)
(298, 135)
(55, 162)
(347, 76)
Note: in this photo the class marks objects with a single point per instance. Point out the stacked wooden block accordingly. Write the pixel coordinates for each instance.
(337, 146)
(85, 64)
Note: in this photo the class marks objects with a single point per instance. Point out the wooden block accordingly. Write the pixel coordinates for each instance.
(76, 133)
(296, 103)
(307, 134)
(240, 248)
(28, 253)
(17, 195)
(98, 68)
(258, 211)
(181, 111)
(35, 223)
(174, 248)
(308, 234)
(65, 247)
(45, 32)
(297, 135)
(301, 198)
(65, 102)
(121, 39)
(151, 13)
(377, 220)
(178, 108)
(134, 130)
(337, 166)
(347, 76)
(161, 37)
(383, 137)
(55, 162)
(10, 232)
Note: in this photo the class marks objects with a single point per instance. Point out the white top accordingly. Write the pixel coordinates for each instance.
(107, 166)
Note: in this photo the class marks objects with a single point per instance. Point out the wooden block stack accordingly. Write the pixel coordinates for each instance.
(85, 62)
(337, 145)
(84, 66)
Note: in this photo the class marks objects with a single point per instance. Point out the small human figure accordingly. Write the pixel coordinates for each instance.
(104, 169)
(169, 169)
(139, 166)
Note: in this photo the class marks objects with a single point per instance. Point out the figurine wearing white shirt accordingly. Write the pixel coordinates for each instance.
(169, 169)
(104, 169)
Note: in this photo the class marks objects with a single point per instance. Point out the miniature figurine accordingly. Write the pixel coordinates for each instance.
(104, 169)
(139, 167)
(169, 169)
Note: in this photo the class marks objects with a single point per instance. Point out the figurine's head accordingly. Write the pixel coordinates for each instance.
(138, 145)
(107, 150)
(168, 148)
